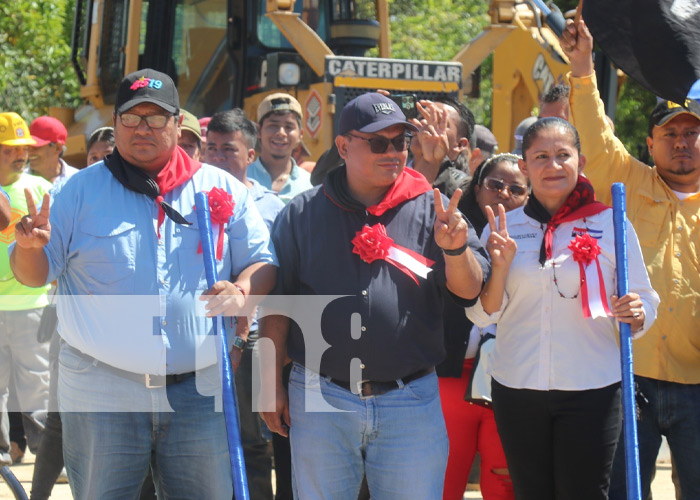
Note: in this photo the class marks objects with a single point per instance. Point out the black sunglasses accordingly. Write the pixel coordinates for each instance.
(379, 145)
(493, 184)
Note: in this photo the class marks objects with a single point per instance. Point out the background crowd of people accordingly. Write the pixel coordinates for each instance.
(437, 241)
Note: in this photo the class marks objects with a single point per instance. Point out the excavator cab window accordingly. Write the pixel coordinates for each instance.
(187, 40)
(111, 55)
(313, 13)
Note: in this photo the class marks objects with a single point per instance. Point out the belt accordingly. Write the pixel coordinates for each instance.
(366, 388)
(148, 380)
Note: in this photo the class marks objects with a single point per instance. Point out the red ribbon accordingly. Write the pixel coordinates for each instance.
(373, 243)
(221, 206)
(585, 250)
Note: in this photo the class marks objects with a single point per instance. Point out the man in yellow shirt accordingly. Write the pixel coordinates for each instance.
(663, 204)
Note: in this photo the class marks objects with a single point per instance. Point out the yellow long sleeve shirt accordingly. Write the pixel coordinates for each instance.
(669, 234)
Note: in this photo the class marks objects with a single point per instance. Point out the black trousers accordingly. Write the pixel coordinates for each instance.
(558, 444)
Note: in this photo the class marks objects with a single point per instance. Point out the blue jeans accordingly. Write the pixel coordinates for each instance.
(398, 439)
(673, 411)
(108, 448)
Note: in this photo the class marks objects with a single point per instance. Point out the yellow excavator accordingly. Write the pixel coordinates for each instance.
(228, 53)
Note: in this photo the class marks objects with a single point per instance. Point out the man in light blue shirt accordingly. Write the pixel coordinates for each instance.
(129, 279)
(280, 132)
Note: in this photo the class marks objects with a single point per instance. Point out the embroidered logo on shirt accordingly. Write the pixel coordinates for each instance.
(524, 236)
(580, 231)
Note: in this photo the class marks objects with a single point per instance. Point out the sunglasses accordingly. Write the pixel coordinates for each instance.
(131, 120)
(379, 145)
(515, 190)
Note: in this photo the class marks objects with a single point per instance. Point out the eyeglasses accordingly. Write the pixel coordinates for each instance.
(515, 190)
(130, 120)
(379, 145)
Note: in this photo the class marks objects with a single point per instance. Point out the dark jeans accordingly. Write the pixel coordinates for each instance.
(258, 463)
(283, 454)
(558, 444)
(673, 411)
(49, 457)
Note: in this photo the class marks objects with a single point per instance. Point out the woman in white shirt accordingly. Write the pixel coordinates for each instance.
(556, 364)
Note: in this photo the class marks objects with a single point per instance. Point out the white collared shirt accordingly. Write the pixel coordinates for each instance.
(543, 341)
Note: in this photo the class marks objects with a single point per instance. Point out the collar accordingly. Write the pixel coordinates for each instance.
(410, 184)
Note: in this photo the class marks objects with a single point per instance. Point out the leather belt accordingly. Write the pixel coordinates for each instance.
(148, 380)
(366, 388)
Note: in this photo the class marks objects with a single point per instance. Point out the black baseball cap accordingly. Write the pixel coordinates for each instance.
(665, 111)
(371, 112)
(147, 85)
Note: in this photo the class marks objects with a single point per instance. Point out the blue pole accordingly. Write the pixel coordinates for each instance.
(629, 411)
(240, 481)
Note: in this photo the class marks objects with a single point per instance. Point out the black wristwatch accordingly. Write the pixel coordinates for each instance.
(239, 343)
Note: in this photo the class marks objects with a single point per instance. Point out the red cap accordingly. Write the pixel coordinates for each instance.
(47, 129)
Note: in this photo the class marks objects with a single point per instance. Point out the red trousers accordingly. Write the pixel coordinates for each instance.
(471, 428)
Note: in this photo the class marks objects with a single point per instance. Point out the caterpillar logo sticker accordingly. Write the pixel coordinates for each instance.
(312, 113)
(366, 72)
(542, 74)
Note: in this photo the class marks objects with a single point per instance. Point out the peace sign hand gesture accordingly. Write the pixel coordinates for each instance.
(432, 135)
(33, 231)
(450, 228)
(500, 245)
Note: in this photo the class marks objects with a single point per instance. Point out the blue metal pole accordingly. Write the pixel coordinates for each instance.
(240, 481)
(629, 410)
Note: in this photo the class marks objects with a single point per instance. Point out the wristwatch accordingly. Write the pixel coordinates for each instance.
(239, 343)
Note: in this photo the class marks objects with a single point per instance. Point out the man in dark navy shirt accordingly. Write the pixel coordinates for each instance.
(376, 236)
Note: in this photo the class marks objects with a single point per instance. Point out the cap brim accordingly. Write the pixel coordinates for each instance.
(197, 133)
(139, 100)
(668, 118)
(19, 142)
(39, 142)
(384, 124)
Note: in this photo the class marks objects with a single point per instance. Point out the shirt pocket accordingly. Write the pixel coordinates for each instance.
(652, 222)
(104, 255)
(191, 258)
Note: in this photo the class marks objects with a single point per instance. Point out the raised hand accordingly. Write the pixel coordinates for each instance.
(33, 231)
(500, 245)
(451, 230)
(577, 43)
(432, 135)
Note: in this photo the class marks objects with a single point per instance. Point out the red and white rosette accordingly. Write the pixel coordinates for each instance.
(221, 206)
(372, 243)
(593, 295)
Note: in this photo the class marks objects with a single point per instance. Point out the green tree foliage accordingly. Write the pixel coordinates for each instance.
(35, 56)
(434, 29)
(438, 29)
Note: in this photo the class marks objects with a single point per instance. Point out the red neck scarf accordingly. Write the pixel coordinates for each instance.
(580, 203)
(177, 171)
(408, 185)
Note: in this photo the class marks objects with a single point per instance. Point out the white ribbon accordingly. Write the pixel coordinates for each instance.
(409, 262)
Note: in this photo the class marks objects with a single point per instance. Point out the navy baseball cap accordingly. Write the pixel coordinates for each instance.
(371, 112)
(147, 85)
